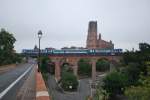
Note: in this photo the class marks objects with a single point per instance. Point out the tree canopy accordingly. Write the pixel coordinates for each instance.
(114, 83)
(7, 52)
(84, 67)
(127, 80)
(102, 65)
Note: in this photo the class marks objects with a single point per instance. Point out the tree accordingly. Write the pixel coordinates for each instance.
(45, 64)
(130, 57)
(141, 92)
(144, 51)
(138, 93)
(102, 65)
(139, 57)
(84, 67)
(69, 81)
(144, 47)
(114, 83)
(132, 71)
(7, 52)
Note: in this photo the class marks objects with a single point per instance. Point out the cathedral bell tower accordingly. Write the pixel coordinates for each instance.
(91, 42)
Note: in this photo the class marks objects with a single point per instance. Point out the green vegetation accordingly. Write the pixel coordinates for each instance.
(132, 71)
(132, 79)
(44, 68)
(66, 68)
(84, 67)
(102, 65)
(45, 64)
(114, 83)
(7, 52)
(69, 81)
(140, 92)
(101, 94)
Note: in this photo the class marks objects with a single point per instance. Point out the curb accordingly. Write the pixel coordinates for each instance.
(41, 90)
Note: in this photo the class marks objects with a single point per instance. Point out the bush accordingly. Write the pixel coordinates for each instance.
(138, 93)
(69, 81)
(84, 67)
(132, 71)
(141, 92)
(114, 83)
(44, 64)
(102, 65)
(66, 68)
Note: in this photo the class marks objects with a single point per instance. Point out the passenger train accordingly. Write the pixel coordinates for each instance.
(74, 51)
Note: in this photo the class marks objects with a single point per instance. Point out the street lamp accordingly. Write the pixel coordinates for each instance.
(39, 61)
(111, 64)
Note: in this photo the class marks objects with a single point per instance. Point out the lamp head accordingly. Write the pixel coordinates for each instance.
(40, 34)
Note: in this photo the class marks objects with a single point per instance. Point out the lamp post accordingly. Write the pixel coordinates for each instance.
(111, 64)
(39, 60)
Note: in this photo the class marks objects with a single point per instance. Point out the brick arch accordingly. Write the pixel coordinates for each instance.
(103, 58)
(73, 60)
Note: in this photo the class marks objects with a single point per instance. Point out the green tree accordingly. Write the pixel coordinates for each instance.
(84, 67)
(141, 92)
(132, 71)
(130, 57)
(138, 93)
(114, 83)
(45, 64)
(69, 81)
(144, 47)
(102, 65)
(7, 52)
(139, 57)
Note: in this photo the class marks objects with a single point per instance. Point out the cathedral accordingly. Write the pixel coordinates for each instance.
(94, 40)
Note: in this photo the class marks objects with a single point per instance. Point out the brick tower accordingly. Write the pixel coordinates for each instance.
(94, 42)
(91, 42)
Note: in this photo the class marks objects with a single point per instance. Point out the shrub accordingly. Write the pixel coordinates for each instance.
(69, 81)
(44, 64)
(114, 83)
(132, 71)
(138, 93)
(84, 67)
(102, 65)
(141, 92)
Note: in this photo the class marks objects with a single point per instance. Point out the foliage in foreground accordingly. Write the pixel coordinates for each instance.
(141, 92)
(114, 83)
(101, 94)
(132, 71)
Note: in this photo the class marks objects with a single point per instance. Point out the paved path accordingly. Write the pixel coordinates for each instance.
(13, 80)
(28, 89)
(57, 94)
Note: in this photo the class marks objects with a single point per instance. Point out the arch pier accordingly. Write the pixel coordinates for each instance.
(73, 61)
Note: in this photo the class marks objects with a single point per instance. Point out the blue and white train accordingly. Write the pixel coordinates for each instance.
(104, 52)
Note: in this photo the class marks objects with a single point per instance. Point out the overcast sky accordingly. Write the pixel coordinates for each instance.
(65, 22)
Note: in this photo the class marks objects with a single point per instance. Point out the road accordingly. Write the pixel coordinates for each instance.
(57, 94)
(12, 82)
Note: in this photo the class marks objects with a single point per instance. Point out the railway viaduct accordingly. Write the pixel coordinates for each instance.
(59, 60)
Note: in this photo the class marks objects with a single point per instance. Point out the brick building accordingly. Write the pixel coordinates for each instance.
(94, 41)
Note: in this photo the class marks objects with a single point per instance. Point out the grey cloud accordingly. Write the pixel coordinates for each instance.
(65, 22)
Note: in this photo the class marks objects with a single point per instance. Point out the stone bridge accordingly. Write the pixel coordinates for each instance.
(73, 61)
